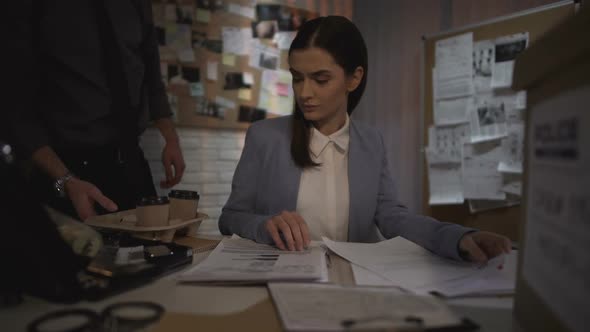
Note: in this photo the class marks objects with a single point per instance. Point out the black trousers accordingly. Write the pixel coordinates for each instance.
(120, 172)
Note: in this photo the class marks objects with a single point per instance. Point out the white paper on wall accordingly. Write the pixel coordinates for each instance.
(512, 147)
(452, 111)
(454, 66)
(245, 11)
(236, 40)
(444, 181)
(488, 118)
(506, 50)
(263, 56)
(446, 142)
(483, 64)
(481, 179)
(276, 92)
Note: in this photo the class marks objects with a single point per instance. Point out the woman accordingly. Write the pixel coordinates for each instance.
(319, 173)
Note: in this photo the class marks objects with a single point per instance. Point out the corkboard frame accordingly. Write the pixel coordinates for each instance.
(536, 22)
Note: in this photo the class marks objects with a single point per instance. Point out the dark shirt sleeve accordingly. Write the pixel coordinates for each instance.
(23, 107)
(156, 92)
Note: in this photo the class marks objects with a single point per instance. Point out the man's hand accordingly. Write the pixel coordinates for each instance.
(84, 195)
(173, 164)
(482, 246)
(172, 154)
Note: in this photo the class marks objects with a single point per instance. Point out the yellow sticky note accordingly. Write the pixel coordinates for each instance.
(203, 16)
(229, 59)
(245, 94)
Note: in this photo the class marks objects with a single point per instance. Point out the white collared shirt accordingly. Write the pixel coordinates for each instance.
(323, 198)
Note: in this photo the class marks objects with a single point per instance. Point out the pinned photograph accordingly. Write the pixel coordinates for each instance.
(251, 114)
(208, 108)
(268, 12)
(264, 29)
(213, 45)
(184, 14)
(191, 74)
(211, 5)
(288, 18)
(489, 114)
(234, 81)
(488, 120)
(483, 64)
(172, 72)
(161, 35)
(178, 36)
(268, 61)
(291, 19)
(506, 50)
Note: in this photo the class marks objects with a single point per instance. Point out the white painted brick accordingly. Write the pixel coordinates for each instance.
(230, 154)
(212, 212)
(209, 227)
(219, 165)
(229, 143)
(226, 177)
(216, 188)
(211, 157)
(189, 186)
(209, 201)
(200, 154)
(200, 177)
(222, 199)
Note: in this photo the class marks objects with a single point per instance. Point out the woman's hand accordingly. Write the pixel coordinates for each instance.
(481, 246)
(292, 228)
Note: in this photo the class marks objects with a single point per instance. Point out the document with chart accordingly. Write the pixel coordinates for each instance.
(242, 260)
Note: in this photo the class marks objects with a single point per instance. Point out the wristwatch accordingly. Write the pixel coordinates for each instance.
(60, 184)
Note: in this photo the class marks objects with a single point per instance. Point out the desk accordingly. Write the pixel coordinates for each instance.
(493, 314)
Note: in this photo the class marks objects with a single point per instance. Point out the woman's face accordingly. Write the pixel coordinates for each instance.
(320, 85)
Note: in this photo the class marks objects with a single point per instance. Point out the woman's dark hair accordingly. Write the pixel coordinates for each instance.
(342, 39)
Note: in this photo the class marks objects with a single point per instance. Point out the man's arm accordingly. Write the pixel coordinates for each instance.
(159, 107)
(82, 194)
(172, 158)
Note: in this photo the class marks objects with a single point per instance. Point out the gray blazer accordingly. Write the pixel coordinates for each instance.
(266, 182)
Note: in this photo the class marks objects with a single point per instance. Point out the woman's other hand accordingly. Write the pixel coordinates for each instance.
(481, 246)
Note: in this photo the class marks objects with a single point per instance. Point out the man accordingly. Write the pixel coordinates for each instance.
(87, 74)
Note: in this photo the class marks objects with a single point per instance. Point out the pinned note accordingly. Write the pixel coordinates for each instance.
(203, 16)
(229, 59)
(245, 94)
(212, 70)
(248, 78)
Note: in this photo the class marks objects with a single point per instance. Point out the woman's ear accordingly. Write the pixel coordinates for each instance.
(355, 79)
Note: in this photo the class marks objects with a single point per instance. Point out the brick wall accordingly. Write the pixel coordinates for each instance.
(211, 157)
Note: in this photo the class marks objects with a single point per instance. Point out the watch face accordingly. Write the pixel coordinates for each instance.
(59, 188)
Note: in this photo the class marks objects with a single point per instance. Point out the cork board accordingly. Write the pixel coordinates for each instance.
(226, 101)
(536, 22)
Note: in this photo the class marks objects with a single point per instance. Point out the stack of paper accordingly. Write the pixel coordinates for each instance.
(399, 262)
(244, 261)
(317, 307)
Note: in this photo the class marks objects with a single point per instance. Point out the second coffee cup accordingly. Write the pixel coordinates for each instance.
(153, 211)
(183, 205)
